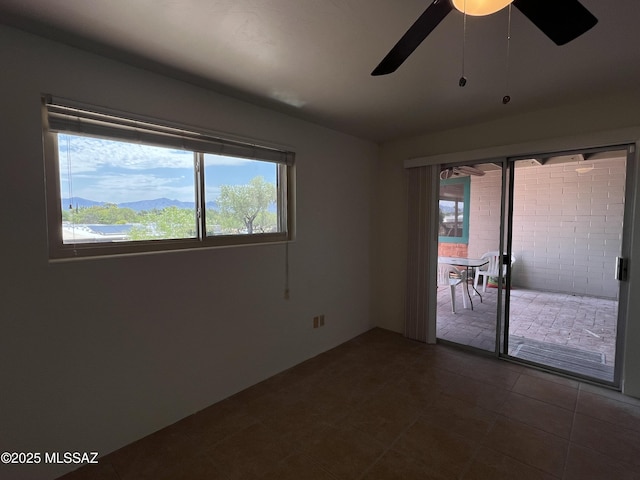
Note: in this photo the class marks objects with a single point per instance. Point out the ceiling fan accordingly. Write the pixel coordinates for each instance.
(461, 171)
(560, 20)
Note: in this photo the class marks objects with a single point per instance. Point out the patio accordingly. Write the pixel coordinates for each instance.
(566, 231)
(572, 332)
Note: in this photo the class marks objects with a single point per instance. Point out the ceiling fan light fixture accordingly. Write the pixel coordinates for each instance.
(585, 169)
(480, 7)
(582, 167)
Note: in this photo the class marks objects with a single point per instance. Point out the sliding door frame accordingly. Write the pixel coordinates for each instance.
(625, 252)
(628, 380)
(502, 164)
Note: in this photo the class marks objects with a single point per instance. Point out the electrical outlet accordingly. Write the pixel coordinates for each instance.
(315, 322)
(322, 320)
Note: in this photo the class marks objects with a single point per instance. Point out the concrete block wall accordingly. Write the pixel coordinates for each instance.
(484, 213)
(568, 227)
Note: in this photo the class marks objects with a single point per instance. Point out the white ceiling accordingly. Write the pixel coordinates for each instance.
(313, 58)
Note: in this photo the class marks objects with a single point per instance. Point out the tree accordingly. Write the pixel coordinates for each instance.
(246, 206)
(170, 222)
(107, 214)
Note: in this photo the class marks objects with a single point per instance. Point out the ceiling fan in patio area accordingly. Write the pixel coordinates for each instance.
(560, 20)
(461, 171)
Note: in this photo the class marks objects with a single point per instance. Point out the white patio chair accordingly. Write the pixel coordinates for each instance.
(450, 276)
(491, 269)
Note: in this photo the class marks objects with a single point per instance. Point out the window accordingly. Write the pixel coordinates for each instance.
(454, 210)
(118, 184)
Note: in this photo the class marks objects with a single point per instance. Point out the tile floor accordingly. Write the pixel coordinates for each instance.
(383, 407)
(582, 322)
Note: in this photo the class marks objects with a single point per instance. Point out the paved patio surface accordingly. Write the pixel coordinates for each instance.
(581, 322)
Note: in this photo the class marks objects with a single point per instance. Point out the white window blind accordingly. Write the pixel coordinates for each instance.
(65, 116)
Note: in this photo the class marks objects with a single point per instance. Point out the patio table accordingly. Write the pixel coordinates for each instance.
(467, 263)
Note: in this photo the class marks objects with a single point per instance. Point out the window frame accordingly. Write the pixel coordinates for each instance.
(466, 182)
(284, 160)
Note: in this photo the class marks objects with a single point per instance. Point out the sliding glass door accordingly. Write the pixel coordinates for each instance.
(531, 259)
(470, 209)
(567, 234)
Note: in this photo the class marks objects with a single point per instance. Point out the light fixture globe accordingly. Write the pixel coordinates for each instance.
(480, 7)
(586, 169)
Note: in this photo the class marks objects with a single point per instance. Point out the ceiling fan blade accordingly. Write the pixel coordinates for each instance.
(560, 20)
(468, 170)
(422, 27)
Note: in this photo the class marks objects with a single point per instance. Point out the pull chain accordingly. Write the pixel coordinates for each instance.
(506, 99)
(463, 80)
(69, 176)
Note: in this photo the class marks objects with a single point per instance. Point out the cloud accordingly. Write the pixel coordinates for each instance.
(118, 188)
(116, 172)
(211, 193)
(87, 154)
(211, 159)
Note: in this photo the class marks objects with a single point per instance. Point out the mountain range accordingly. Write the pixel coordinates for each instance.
(138, 206)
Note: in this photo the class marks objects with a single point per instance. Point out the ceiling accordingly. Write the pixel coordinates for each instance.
(313, 58)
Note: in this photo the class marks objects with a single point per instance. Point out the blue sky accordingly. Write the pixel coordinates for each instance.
(117, 172)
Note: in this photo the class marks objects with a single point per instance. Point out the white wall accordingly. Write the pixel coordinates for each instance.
(97, 353)
(544, 127)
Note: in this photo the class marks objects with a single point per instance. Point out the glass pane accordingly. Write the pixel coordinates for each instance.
(467, 311)
(113, 191)
(451, 210)
(241, 196)
(567, 232)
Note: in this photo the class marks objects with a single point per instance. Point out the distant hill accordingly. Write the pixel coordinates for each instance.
(156, 204)
(78, 202)
(139, 206)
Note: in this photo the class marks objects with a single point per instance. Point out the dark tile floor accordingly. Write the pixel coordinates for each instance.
(382, 407)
